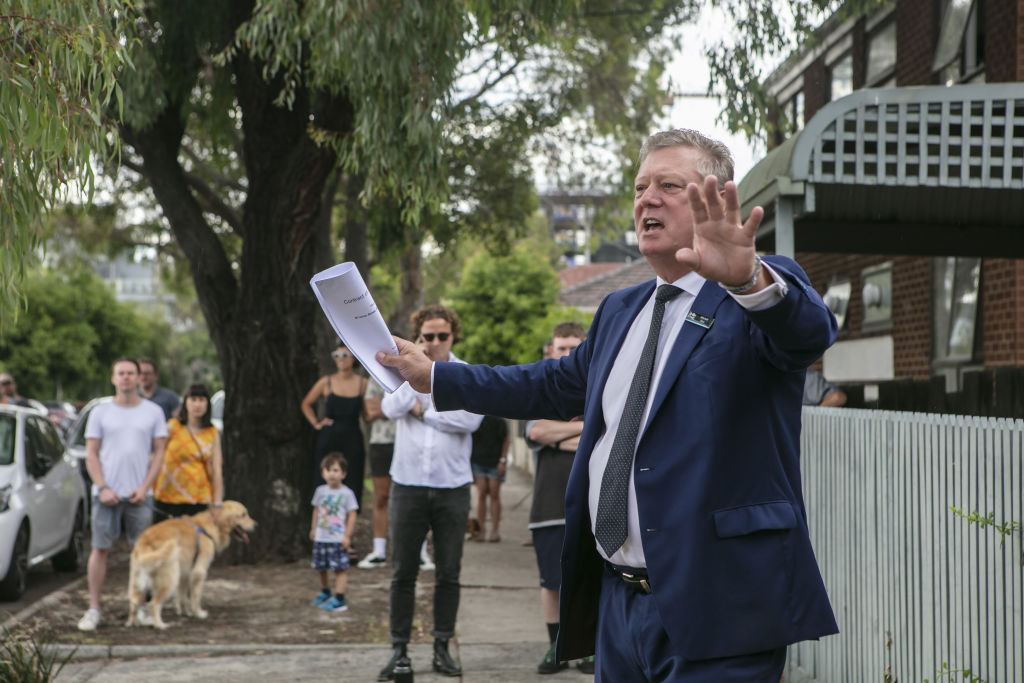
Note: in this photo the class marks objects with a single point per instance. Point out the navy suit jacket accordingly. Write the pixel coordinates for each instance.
(717, 475)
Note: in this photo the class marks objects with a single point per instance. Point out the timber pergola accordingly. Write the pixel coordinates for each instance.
(927, 171)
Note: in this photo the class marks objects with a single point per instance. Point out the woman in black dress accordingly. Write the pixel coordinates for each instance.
(339, 429)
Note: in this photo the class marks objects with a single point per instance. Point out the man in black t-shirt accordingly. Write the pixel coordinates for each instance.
(557, 441)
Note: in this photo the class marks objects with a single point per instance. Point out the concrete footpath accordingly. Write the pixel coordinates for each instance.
(501, 635)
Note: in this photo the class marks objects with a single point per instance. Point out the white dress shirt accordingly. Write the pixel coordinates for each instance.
(613, 400)
(433, 451)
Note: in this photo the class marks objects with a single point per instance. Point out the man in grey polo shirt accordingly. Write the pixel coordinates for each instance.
(124, 450)
(148, 388)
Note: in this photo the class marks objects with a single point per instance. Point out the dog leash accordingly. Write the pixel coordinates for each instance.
(147, 504)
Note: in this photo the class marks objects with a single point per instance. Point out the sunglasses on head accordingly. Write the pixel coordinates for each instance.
(340, 354)
(441, 336)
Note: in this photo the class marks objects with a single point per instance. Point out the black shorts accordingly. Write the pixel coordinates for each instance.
(177, 509)
(380, 459)
(547, 545)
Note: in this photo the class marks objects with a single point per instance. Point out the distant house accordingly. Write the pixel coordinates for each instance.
(134, 281)
(137, 282)
(577, 274)
(587, 294)
(574, 219)
(622, 251)
(897, 181)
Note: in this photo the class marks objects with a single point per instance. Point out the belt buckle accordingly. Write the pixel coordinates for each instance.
(633, 580)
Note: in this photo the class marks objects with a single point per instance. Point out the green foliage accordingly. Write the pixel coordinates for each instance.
(73, 330)
(765, 33)
(1005, 529)
(59, 62)
(24, 660)
(398, 57)
(948, 674)
(499, 301)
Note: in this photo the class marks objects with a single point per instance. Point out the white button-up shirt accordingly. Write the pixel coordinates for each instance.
(613, 401)
(433, 451)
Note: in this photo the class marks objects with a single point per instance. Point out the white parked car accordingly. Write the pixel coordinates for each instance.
(42, 500)
(75, 436)
(217, 410)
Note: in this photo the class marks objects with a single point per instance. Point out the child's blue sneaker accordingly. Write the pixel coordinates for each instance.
(321, 598)
(334, 605)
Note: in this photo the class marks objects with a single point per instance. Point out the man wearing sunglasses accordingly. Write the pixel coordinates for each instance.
(9, 391)
(431, 474)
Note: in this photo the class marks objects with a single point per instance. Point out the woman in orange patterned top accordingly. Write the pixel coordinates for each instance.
(191, 479)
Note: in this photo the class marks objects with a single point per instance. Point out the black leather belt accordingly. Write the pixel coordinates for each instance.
(636, 579)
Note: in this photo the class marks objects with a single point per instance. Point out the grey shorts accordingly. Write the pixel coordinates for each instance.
(108, 521)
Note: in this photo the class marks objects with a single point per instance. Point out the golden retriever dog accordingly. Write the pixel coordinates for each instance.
(172, 558)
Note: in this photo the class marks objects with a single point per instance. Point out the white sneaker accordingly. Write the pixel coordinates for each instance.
(143, 617)
(90, 620)
(426, 564)
(372, 561)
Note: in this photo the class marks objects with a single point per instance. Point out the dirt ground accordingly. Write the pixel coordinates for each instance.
(267, 603)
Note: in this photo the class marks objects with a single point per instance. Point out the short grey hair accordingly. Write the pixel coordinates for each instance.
(716, 159)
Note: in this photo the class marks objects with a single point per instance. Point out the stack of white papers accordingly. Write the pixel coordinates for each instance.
(353, 314)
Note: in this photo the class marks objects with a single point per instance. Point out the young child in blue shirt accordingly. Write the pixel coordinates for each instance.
(334, 520)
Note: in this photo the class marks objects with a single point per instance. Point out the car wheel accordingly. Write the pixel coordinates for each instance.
(13, 585)
(70, 559)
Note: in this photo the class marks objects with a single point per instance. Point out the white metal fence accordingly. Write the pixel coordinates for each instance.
(919, 592)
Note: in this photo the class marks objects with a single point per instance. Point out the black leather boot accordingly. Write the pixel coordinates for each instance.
(443, 662)
(398, 655)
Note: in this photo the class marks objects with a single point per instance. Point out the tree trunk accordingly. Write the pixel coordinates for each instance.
(262, 315)
(411, 298)
(357, 245)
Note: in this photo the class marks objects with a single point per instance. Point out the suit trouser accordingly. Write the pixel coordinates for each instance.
(412, 511)
(632, 645)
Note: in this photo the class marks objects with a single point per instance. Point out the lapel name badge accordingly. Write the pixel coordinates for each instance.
(698, 319)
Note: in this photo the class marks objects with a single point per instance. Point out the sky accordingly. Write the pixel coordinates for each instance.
(689, 74)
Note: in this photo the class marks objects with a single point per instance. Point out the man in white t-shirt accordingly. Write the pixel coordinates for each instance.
(124, 450)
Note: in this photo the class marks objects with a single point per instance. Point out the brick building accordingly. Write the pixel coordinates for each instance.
(897, 181)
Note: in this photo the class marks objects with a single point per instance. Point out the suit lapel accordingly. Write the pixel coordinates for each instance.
(708, 299)
(618, 322)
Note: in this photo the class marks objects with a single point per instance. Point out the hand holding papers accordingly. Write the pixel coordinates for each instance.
(354, 316)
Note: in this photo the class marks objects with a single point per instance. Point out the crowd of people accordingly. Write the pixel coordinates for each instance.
(667, 517)
(147, 452)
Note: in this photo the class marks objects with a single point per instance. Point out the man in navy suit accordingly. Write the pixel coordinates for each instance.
(686, 556)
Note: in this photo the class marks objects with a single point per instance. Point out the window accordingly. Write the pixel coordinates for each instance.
(795, 112)
(881, 54)
(960, 51)
(842, 77)
(40, 452)
(956, 284)
(8, 427)
(876, 294)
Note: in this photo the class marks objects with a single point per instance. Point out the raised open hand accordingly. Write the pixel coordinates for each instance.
(723, 248)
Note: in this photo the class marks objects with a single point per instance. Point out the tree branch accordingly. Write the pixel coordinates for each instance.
(215, 205)
(211, 172)
(489, 85)
(158, 145)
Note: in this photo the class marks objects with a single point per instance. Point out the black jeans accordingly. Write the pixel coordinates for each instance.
(413, 510)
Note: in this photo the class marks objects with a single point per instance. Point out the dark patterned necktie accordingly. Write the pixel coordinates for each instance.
(611, 527)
